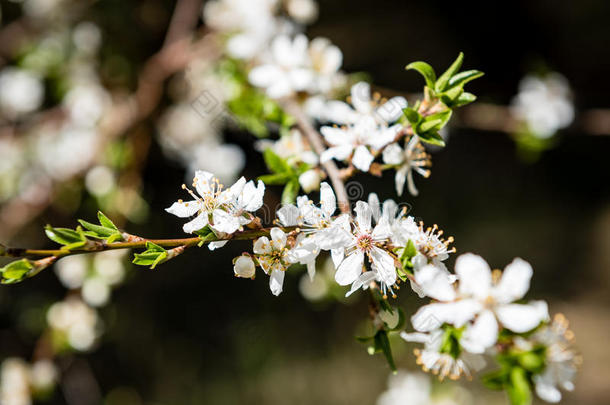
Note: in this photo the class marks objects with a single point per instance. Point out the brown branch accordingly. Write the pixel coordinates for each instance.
(315, 139)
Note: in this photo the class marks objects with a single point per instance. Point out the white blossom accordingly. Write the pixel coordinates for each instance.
(353, 141)
(384, 112)
(412, 158)
(294, 65)
(561, 362)
(479, 299)
(244, 267)
(544, 104)
(432, 357)
(274, 258)
(293, 148)
(21, 91)
(368, 242)
(224, 210)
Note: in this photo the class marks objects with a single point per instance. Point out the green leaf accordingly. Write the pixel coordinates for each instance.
(152, 256)
(519, 390)
(402, 319)
(105, 221)
(452, 94)
(496, 380)
(412, 115)
(275, 163)
(464, 77)
(432, 137)
(382, 344)
(436, 122)
(290, 192)
(425, 70)
(67, 237)
(15, 271)
(463, 99)
(96, 231)
(276, 179)
(443, 80)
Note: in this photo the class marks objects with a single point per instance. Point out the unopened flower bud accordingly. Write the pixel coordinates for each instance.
(310, 181)
(244, 267)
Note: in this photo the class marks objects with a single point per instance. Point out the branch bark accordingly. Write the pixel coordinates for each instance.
(315, 139)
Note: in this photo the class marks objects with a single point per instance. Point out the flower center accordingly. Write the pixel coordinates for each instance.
(364, 242)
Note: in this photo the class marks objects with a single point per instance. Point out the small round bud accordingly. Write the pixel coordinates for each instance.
(310, 181)
(244, 267)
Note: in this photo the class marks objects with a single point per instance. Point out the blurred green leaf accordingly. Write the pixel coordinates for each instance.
(15, 271)
(425, 70)
(443, 80)
(289, 195)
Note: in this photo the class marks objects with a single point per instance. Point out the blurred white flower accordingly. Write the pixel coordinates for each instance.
(95, 291)
(67, 151)
(41, 8)
(72, 270)
(43, 374)
(87, 37)
(21, 91)
(109, 266)
(78, 322)
(86, 103)
(100, 180)
(252, 23)
(561, 360)
(293, 147)
(15, 383)
(310, 181)
(544, 104)
(406, 388)
(287, 69)
(302, 11)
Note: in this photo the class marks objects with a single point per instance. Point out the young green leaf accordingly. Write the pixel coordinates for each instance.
(464, 77)
(412, 115)
(15, 271)
(518, 389)
(443, 80)
(463, 99)
(431, 137)
(290, 192)
(382, 344)
(425, 70)
(276, 178)
(105, 221)
(275, 163)
(67, 237)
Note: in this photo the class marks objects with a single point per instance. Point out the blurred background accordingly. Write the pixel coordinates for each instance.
(189, 332)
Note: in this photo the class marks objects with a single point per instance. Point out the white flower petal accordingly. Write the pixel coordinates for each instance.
(546, 389)
(279, 237)
(184, 209)
(264, 75)
(515, 282)
(361, 97)
(400, 178)
(391, 110)
(225, 222)
(383, 263)
(363, 216)
(457, 313)
(474, 275)
(288, 215)
(217, 244)
(362, 158)
(521, 318)
(262, 246)
(336, 152)
(328, 202)
(203, 182)
(434, 282)
(350, 268)
(196, 224)
(276, 282)
(340, 113)
(482, 334)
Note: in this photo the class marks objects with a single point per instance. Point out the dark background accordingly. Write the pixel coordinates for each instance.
(190, 333)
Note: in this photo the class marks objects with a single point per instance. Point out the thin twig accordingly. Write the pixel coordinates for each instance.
(315, 139)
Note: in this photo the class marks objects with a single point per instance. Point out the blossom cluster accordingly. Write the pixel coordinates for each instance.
(473, 310)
